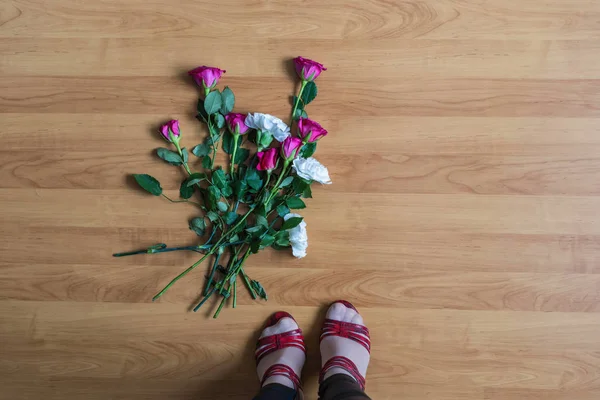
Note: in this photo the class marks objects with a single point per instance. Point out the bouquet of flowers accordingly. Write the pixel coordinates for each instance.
(247, 205)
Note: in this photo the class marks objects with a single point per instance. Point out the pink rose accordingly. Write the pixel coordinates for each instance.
(267, 160)
(290, 147)
(236, 123)
(308, 70)
(173, 127)
(309, 130)
(206, 77)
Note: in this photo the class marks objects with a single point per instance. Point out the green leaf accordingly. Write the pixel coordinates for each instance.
(241, 155)
(222, 206)
(206, 161)
(263, 139)
(185, 191)
(303, 114)
(291, 223)
(282, 238)
(254, 229)
(307, 193)
(262, 221)
(253, 179)
(212, 216)
(309, 93)
(198, 225)
(258, 288)
(227, 101)
(148, 183)
(213, 194)
(255, 246)
(194, 178)
(201, 150)
(286, 182)
(219, 120)
(301, 187)
(219, 179)
(298, 113)
(201, 111)
(282, 210)
(266, 241)
(227, 191)
(295, 203)
(169, 156)
(185, 155)
(230, 218)
(308, 149)
(228, 143)
(212, 102)
(240, 188)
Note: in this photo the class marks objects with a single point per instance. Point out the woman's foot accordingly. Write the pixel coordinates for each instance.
(280, 343)
(345, 340)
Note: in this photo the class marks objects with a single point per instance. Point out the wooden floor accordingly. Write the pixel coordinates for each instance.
(464, 218)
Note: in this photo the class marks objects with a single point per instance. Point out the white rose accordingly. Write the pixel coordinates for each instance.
(269, 123)
(311, 169)
(298, 237)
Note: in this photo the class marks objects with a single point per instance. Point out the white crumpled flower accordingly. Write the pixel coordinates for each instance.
(269, 123)
(311, 169)
(298, 237)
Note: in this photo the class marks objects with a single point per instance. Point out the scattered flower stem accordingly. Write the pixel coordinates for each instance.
(211, 251)
(180, 201)
(212, 274)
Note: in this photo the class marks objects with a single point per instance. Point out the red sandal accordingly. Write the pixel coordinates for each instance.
(269, 344)
(358, 333)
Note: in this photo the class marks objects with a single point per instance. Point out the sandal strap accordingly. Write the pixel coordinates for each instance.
(345, 364)
(269, 344)
(282, 370)
(358, 333)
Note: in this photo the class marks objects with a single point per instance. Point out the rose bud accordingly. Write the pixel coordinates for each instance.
(290, 148)
(236, 124)
(267, 160)
(308, 70)
(170, 131)
(310, 131)
(207, 77)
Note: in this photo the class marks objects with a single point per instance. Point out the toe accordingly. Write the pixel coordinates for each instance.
(337, 311)
(357, 319)
(283, 325)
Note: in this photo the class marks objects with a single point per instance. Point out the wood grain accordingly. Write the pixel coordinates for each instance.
(463, 219)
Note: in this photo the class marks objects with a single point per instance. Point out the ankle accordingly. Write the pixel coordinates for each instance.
(278, 379)
(336, 371)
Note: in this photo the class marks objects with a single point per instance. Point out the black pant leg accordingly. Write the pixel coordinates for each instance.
(275, 391)
(341, 387)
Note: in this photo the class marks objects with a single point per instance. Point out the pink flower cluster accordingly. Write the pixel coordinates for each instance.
(309, 131)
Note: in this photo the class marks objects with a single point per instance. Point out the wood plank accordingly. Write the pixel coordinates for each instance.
(372, 19)
(426, 97)
(405, 251)
(347, 59)
(384, 287)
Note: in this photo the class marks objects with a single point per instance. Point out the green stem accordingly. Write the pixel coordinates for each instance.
(298, 101)
(178, 277)
(235, 292)
(247, 282)
(275, 189)
(180, 201)
(211, 251)
(235, 141)
(212, 274)
(222, 303)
